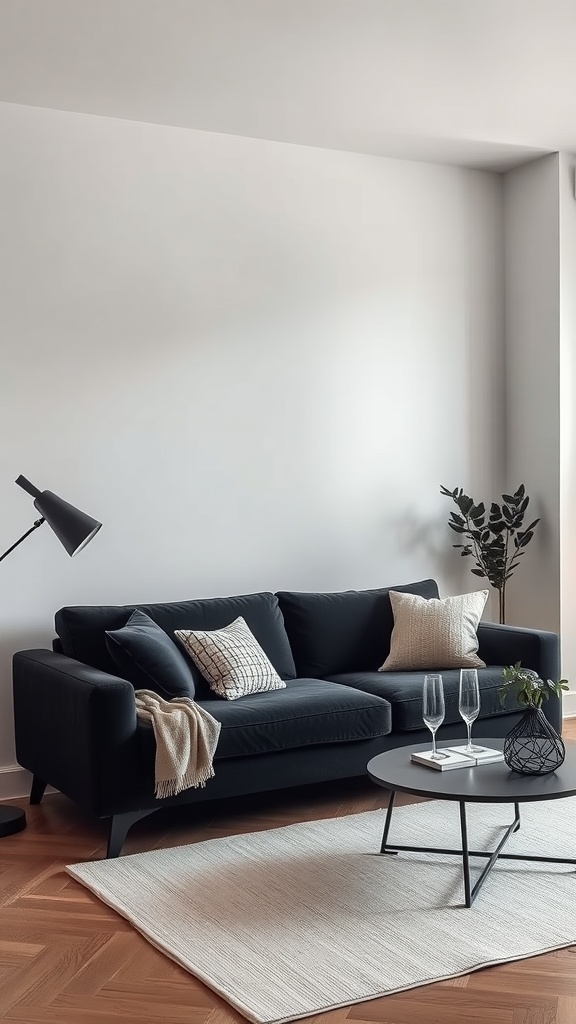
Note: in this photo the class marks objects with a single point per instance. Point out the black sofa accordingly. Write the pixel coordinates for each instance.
(76, 725)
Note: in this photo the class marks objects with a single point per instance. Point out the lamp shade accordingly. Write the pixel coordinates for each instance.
(73, 528)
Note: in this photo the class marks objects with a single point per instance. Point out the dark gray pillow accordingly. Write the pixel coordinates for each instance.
(146, 656)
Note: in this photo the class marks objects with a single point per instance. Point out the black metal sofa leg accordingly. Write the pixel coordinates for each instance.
(120, 824)
(37, 790)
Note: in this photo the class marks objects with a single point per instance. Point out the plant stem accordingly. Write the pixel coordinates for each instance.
(477, 548)
(503, 589)
(502, 604)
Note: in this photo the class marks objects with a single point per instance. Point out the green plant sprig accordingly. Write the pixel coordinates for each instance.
(530, 691)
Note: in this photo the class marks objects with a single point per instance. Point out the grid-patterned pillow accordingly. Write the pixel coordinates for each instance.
(231, 659)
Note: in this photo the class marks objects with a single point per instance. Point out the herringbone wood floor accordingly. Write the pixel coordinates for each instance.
(65, 958)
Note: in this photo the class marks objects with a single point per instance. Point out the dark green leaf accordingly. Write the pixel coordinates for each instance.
(496, 529)
(524, 539)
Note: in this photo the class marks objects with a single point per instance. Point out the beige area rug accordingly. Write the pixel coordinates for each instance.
(302, 919)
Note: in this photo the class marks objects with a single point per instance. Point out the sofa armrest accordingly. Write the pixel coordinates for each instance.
(76, 729)
(535, 648)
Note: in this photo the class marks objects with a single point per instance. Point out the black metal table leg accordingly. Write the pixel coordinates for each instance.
(387, 823)
(465, 855)
(470, 891)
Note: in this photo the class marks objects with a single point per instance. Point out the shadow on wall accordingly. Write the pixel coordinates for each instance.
(431, 539)
(21, 640)
(451, 571)
(24, 639)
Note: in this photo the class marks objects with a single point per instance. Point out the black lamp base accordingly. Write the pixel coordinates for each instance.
(12, 819)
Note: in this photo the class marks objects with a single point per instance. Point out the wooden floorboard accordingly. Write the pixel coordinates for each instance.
(66, 958)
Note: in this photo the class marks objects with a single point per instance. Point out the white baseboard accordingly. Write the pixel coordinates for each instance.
(14, 782)
(569, 704)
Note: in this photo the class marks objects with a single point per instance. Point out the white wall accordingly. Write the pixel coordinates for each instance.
(255, 362)
(567, 202)
(532, 267)
(540, 244)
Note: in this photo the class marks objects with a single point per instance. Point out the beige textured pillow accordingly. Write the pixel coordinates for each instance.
(435, 633)
(231, 659)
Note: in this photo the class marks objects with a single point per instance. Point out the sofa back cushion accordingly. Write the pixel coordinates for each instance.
(342, 632)
(82, 629)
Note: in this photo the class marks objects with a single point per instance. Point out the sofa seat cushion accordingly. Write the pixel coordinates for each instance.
(342, 632)
(308, 712)
(403, 690)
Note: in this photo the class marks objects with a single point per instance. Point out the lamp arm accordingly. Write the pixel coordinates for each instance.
(23, 537)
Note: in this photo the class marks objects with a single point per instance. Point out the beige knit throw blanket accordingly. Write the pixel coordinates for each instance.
(186, 738)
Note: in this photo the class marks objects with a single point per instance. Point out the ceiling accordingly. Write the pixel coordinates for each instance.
(484, 83)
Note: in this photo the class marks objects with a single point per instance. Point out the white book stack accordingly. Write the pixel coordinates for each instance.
(456, 757)
(483, 755)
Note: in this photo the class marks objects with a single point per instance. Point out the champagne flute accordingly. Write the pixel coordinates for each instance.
(469, 704)
(433, 709)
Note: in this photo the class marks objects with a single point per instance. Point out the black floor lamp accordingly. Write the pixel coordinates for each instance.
(74, 530)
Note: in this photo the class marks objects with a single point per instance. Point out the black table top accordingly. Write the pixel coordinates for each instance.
(487, 783)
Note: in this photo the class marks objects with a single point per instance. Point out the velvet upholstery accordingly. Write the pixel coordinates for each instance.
(75, 717)
(403, 690)
(145, 655)
(82, 629)
(342, 632)
(298, 716)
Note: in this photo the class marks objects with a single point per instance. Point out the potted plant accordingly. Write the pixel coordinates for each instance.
(495, 539)
(532, 747)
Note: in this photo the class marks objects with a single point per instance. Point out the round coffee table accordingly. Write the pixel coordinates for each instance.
(487, 783)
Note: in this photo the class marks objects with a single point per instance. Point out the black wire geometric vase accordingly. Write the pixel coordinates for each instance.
(533, 747)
